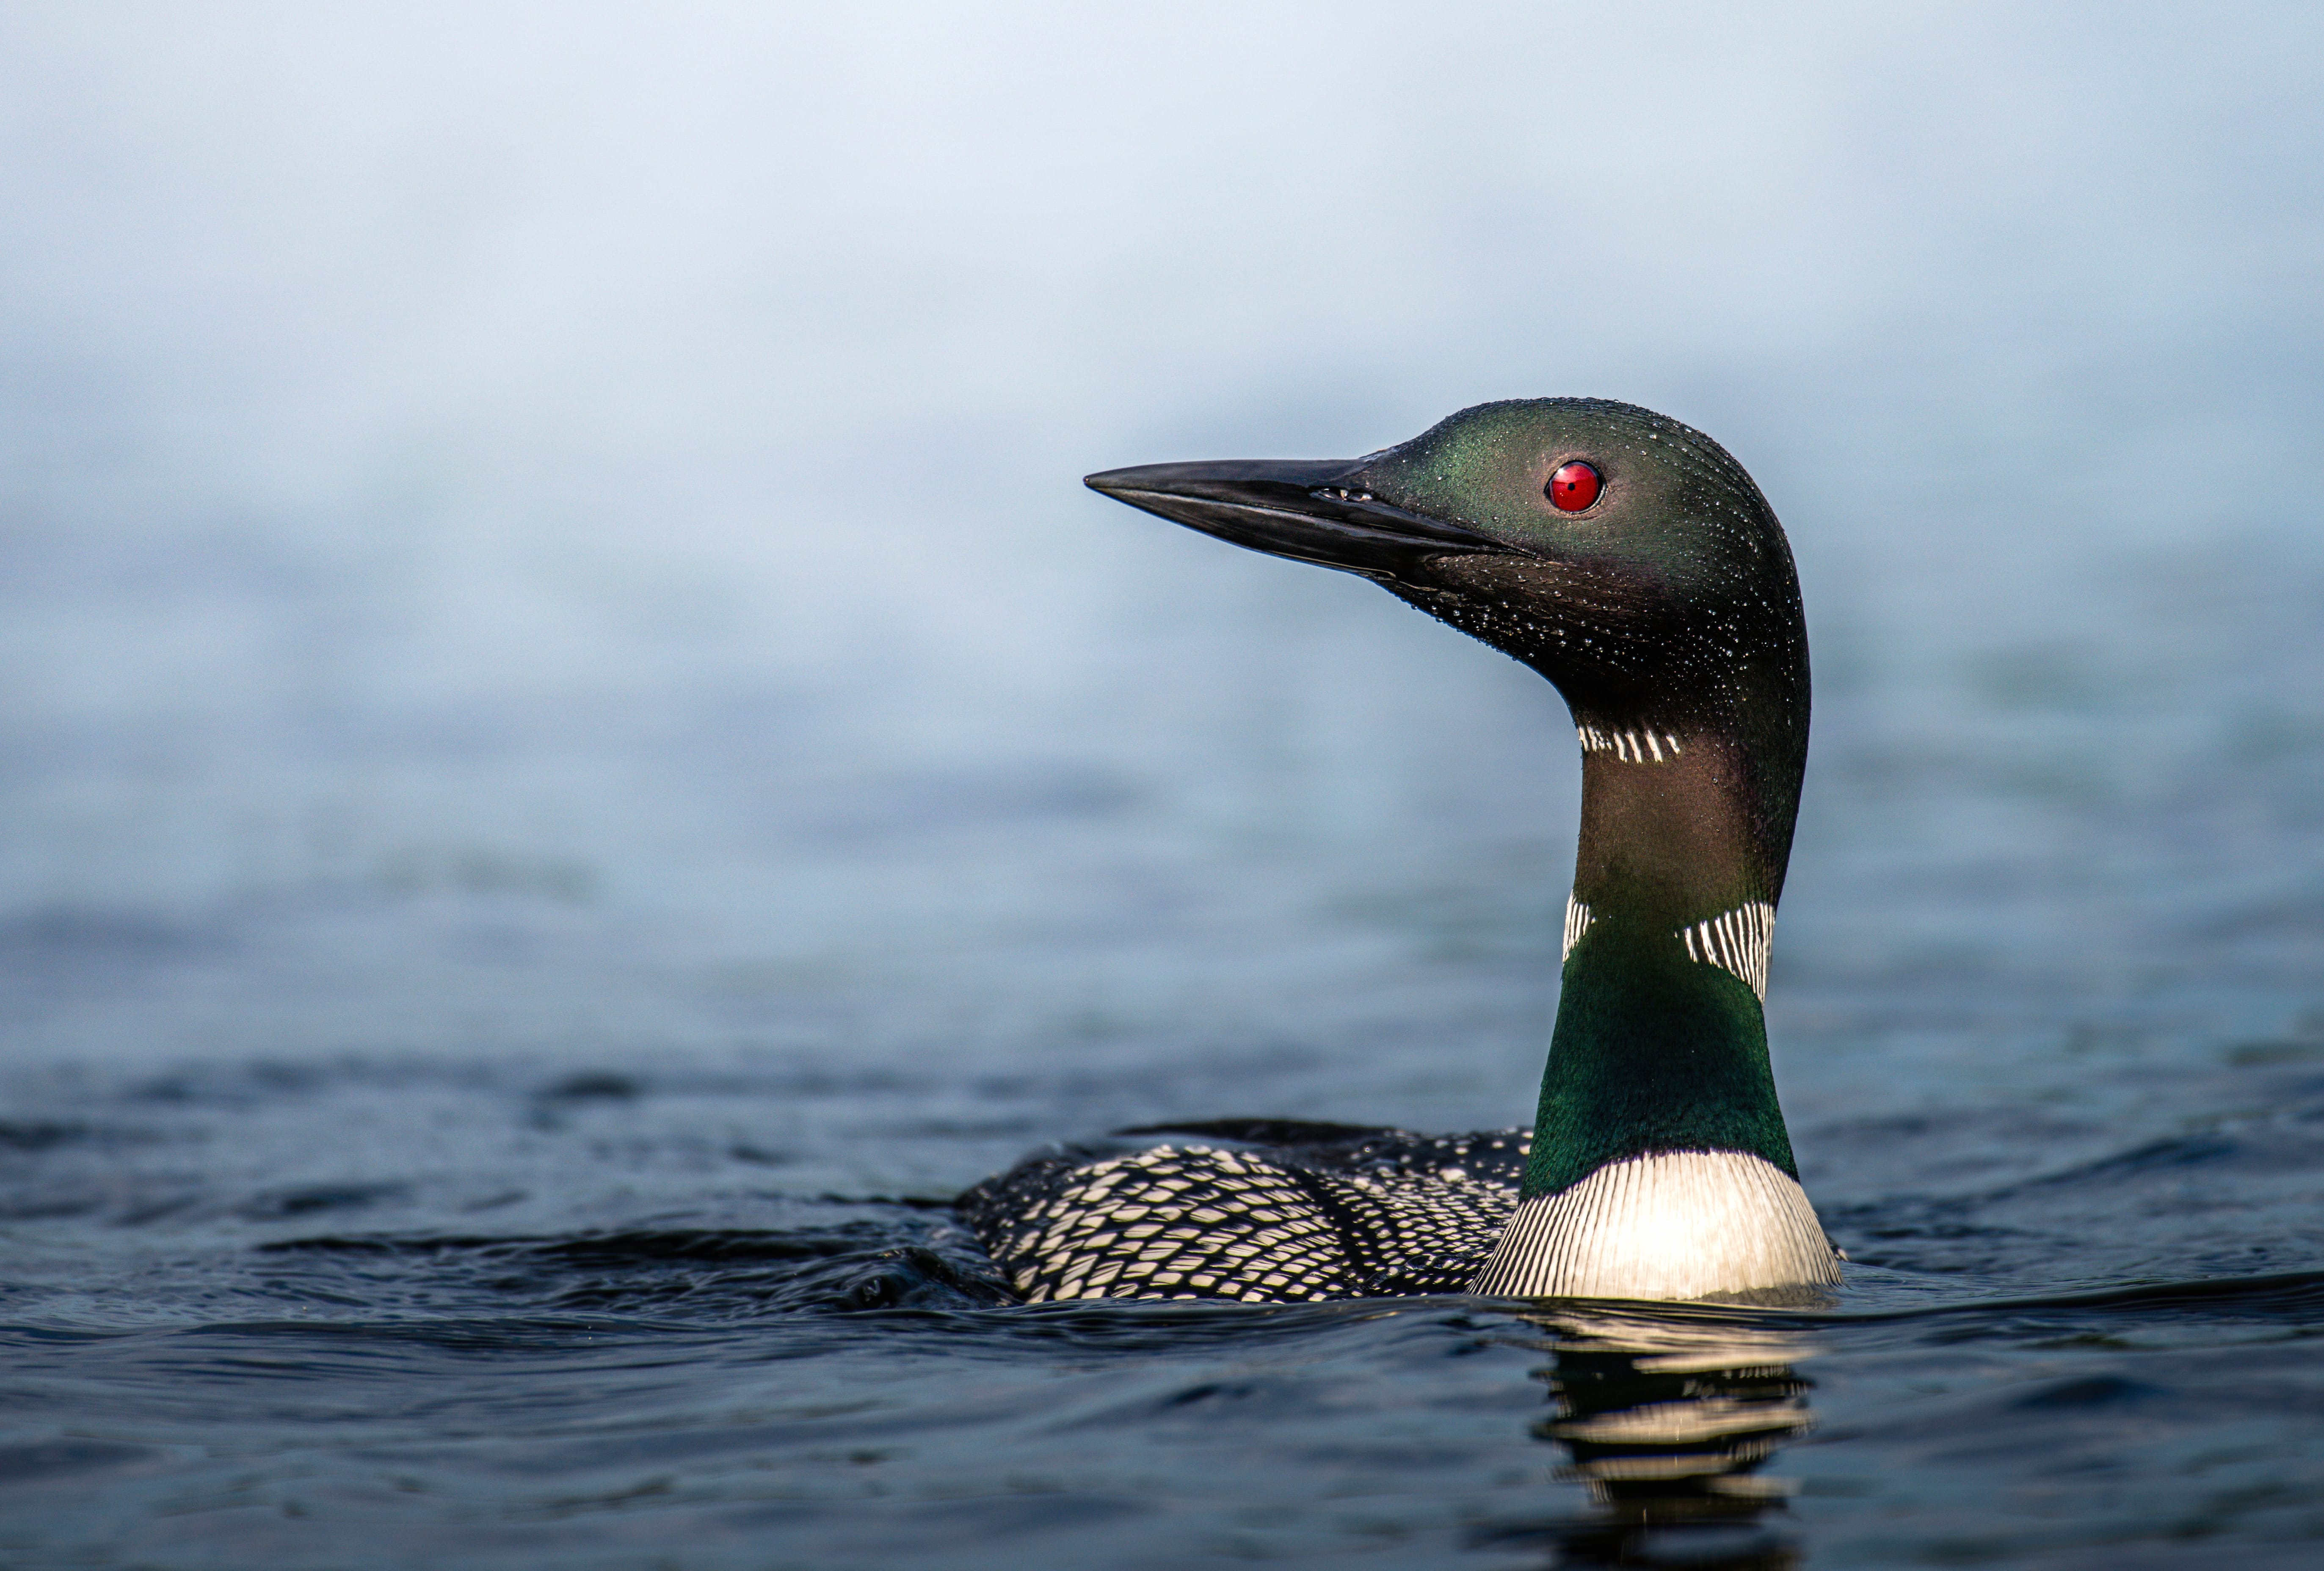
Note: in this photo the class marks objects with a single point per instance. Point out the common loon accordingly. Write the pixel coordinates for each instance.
(1632, 562)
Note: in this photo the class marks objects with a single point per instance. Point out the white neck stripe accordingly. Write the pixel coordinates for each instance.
(1577, 923)
(1632, 747)
(1736, 942)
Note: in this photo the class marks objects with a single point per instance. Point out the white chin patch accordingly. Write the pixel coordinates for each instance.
(1680, 1225)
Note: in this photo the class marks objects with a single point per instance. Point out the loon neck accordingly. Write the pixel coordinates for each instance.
(1661, 1044)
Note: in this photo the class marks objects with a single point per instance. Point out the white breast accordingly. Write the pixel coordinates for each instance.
(1678, 1225)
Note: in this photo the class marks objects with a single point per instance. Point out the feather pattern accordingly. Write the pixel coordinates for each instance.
(1379, 1214)
(1386, 1214)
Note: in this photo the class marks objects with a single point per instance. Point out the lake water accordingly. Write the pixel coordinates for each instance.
(577, 763)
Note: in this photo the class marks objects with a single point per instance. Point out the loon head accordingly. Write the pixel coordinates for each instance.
(1633, 562)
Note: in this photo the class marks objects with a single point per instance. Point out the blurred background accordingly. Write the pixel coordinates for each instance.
(544, 554)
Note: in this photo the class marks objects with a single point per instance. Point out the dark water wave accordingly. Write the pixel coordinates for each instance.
(706, 1275)
(631, 1320)
(853, 1393)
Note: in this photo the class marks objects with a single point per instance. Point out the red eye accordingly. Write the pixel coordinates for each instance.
(1574, 487)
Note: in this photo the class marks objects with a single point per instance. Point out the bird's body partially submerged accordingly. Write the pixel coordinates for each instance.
(1256, 1210)
(1634, 564)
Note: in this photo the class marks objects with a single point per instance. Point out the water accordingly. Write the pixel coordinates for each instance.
(577, 764)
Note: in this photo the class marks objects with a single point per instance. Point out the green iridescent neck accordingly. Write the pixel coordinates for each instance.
(1661, 1041)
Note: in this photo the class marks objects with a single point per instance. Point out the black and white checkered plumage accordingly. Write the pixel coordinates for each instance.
(1261, 1211)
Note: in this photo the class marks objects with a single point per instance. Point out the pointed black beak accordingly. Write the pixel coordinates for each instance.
(1314, 511)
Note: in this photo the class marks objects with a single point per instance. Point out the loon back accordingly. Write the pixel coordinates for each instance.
(1629, 560)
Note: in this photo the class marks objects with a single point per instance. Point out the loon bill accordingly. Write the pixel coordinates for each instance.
(1629, 559)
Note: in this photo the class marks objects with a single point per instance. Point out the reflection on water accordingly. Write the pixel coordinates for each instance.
(1669, 1426)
